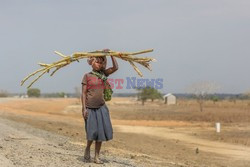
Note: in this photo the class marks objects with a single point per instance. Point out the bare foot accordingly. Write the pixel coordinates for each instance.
(98, 161)
(87, 154)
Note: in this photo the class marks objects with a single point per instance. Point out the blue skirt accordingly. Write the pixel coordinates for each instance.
(98, 126)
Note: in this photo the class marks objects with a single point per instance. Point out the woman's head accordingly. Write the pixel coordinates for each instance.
(98, 63)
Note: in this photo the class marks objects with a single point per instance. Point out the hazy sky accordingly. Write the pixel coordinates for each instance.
(193, 40)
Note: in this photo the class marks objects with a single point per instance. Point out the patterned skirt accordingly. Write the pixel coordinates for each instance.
(98, 126)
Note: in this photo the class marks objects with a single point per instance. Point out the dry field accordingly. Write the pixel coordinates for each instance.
(151, 135)
(233, 116)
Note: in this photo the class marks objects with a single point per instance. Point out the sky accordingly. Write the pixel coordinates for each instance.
(194, 41)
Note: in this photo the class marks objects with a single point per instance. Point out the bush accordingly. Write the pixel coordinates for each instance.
(33, 92)
(55, 95)
(214, 98)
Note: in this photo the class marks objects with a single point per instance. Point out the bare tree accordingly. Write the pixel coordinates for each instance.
(247, 94)
(201, 90)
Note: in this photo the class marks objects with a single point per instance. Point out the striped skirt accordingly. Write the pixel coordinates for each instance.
(98, 126)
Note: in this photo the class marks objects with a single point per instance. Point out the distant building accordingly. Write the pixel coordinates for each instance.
(169, 99)
(24, 96)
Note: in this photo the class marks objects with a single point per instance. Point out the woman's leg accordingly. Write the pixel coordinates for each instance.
(97, 152)
(87, 150)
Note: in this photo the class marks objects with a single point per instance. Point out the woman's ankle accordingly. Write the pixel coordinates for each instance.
(97, 156)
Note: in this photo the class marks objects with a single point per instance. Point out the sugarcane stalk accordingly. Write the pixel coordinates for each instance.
(60, 54)
(32, 74)
(37, 78)
(66, 60)
(136, 69)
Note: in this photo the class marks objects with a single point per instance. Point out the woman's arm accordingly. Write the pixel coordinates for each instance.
(83, 99)
(112, 69)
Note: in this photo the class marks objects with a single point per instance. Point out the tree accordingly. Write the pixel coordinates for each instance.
(215, 98)
(61, 94)
(201, 90)
(33, 92)
(148, 93)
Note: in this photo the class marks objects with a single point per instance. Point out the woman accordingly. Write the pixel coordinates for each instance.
(98, 126)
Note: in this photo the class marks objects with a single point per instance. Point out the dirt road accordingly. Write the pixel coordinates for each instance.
(231, 151)
(22, 145)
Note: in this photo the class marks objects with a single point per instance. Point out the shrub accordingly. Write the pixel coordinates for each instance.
(33, 92)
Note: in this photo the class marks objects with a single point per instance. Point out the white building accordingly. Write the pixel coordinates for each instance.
(169, 99)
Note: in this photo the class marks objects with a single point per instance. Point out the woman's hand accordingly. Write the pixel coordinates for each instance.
(106, 50)
(84, 113)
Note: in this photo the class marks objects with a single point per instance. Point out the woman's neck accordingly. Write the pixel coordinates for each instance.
(96, 70)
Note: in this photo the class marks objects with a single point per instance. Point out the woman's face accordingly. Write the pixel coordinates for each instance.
(99, 63)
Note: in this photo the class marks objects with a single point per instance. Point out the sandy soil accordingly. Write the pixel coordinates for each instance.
(51, 133)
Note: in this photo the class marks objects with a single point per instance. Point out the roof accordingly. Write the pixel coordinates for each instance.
(169, 94)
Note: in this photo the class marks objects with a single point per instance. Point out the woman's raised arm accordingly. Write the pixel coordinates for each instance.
(113, 68)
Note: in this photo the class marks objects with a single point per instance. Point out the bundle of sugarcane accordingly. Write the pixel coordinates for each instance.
(66, 60)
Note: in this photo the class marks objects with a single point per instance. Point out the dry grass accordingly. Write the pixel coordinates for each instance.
(185, 110)
(233, 116)
(129, 109)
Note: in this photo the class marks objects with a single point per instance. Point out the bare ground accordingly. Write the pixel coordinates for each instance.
(56, 138)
